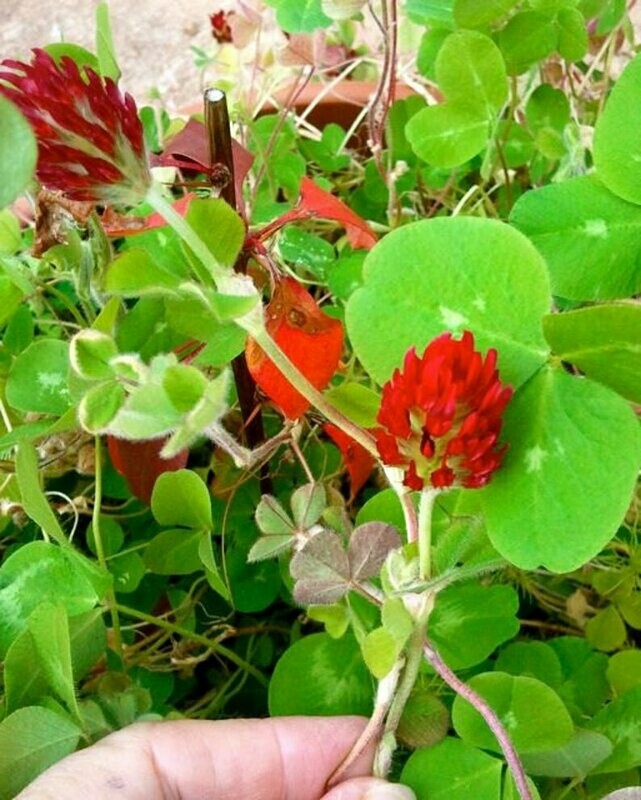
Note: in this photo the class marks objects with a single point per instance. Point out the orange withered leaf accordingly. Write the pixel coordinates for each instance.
(319, 203)
(358, 462)
(312, 340)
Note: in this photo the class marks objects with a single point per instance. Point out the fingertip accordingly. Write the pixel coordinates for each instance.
(369, 789)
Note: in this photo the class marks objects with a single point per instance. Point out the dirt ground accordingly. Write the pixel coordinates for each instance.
(152, 38)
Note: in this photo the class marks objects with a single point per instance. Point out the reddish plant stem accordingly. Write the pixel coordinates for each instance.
(411, 518)
(294, 215)
(493, 722)
(303, 79)
(386, 89)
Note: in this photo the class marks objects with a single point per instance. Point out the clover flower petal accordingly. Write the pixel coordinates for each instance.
(441, 415)
(90, 138)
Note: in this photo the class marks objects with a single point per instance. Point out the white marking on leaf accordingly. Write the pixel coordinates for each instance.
(452, 319)
(479, 303)
(52, 382)
(534, 458)
(596, 228)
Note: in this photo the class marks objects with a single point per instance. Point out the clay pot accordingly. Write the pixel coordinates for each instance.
(341, 104)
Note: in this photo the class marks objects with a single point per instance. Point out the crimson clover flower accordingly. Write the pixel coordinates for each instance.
(220, 27)
(441, 415)
(90, 139)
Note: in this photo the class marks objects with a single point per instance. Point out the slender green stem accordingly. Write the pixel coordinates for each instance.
(311, 393)
(413, 656)
(372, 731)
(426, 506)
(406, 499)
(413, 659)
(263, 339)
(69, 305)
(100, 551)
(189, 236)
(214, 646)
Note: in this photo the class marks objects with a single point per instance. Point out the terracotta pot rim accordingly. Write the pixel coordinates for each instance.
(347, 94)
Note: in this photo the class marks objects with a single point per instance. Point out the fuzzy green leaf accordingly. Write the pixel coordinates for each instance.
(617, 149)
(447, 136)
(470, 72)
(380, 650)
(135, 273)
(453, 770)
(100, 405)
(321, 570)
(533, 714)
(470, 620)
(336, 679)
(590, 238)
(174, 552)
(308, 503)
(38, 378)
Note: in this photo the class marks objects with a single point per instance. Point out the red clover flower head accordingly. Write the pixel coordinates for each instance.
(220, 27)
(90, 139)
(441, 415)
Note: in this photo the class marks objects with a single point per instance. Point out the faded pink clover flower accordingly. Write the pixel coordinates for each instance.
(90, 139)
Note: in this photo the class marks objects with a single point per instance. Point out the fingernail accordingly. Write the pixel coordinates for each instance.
(391, 791)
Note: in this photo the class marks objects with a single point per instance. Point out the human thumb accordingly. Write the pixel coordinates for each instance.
(369, 789)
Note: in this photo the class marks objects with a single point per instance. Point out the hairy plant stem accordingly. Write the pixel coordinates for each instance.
(384, 698)
(254, 325)
(409, 513)
(212, 269)
(100, 551)
(212, 645)
(426, 506)
(302, 385)
(493, 722)
(405, 498)
(413, 658)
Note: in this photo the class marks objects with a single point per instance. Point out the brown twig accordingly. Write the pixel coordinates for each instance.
(220, 153)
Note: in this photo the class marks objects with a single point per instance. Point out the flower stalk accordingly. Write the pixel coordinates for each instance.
(100, 552)
(385, 696)
(425, 509)
(302, 385)
(493, 722)
(213, 271)
(413, 658)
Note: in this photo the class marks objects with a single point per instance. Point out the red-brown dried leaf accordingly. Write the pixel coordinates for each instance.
(189, 149)
(358, 462)
(320, 203)
(311, 339)
(140, 463)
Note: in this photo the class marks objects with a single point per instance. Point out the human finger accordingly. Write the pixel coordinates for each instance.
(269, 759)
(369, 789)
